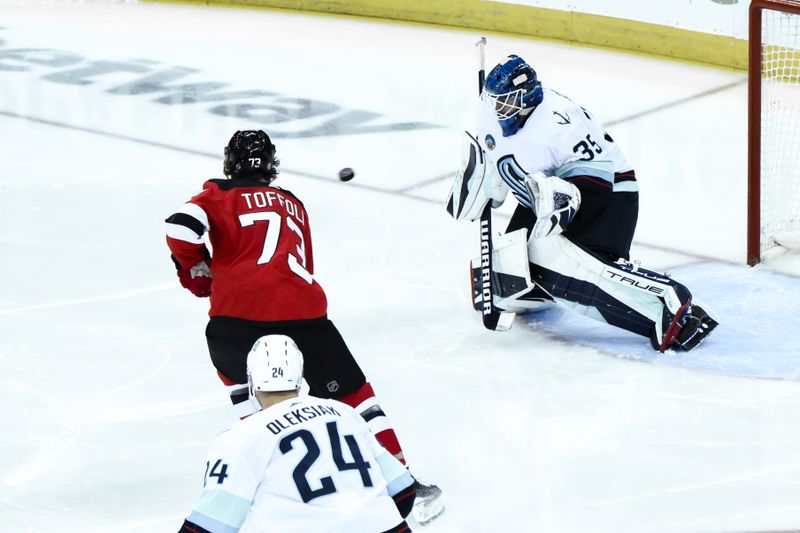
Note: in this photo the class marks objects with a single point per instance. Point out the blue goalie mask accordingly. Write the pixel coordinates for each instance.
(513, 90)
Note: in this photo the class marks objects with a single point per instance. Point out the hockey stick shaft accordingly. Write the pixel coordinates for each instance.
(486, 216)
(481, 44)
(491, 316)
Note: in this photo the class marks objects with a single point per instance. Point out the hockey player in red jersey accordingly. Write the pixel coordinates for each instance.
(260, 282)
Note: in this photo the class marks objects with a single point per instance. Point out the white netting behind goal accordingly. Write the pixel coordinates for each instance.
(780, 130)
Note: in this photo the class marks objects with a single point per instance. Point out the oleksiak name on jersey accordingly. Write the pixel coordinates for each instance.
(298, 416)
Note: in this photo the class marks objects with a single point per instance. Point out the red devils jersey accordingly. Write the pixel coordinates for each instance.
(262, 264)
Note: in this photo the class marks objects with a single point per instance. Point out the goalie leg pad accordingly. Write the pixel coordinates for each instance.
(513, 290)
(683, 325)
(635, 299)
(534, 299)
(588, 298)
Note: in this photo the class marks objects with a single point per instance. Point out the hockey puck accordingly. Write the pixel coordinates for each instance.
(346, 174)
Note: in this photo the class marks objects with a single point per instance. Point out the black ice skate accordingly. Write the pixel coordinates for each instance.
(696, 327)
(686, 330)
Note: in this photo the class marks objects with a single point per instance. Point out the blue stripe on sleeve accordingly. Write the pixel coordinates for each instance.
(209, 524)
(396, 475)
(399, 484)
(227, 512)
(626, 186)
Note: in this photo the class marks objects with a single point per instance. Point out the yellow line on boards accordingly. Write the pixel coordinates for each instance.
(518, 20)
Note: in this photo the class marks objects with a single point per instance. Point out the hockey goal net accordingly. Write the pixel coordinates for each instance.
(774, 128)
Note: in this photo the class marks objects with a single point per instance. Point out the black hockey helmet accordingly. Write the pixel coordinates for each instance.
(251, 154)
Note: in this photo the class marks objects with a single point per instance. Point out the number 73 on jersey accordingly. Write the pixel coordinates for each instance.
(296, 260)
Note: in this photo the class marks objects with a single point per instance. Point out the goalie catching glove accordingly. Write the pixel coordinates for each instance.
(474, 185)
(555, 203)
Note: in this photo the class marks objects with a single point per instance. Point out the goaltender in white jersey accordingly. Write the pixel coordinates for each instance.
(299, 464)
(569, 238)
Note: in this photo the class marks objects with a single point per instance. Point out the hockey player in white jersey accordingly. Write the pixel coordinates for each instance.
(569, 238)
(299, 464)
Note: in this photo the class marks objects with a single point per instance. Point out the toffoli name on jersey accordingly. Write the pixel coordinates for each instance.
(269, 198)
(298, 416)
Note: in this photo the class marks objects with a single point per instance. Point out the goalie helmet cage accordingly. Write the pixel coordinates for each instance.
(773, 199)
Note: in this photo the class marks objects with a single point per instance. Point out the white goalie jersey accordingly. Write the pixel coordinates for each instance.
(560, 138)
(304, 464)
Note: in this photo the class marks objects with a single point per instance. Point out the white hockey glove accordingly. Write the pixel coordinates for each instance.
(474, 184)
(555, 203)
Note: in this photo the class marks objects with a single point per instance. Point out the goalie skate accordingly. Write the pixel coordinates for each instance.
(684, 330)
(428, 504)
(696, 327)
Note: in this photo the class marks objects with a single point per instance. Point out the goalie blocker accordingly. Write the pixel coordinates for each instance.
(533, 274)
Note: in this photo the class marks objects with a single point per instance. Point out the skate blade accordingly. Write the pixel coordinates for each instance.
(425, 513)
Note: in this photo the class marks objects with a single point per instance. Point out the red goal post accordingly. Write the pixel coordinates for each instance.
(773, 203)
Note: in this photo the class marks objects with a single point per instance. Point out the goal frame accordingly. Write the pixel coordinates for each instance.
(754, 120)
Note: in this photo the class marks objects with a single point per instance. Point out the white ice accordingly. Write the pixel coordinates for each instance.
(560, 425)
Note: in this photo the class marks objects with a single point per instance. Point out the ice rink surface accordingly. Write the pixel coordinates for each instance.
(112, 115)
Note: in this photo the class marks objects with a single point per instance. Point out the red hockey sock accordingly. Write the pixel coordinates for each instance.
(366, 404)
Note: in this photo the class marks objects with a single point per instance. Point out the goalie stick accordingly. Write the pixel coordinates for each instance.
(493, 318)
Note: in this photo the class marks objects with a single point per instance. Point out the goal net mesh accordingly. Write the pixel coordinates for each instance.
(780, 130)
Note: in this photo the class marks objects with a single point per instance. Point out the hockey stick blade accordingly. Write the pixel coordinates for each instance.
(502, 322)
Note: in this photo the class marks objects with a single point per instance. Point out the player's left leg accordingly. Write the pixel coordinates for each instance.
(331, 371)
(229, 341)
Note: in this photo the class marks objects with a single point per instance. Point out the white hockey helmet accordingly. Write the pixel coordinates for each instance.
(274, 364)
